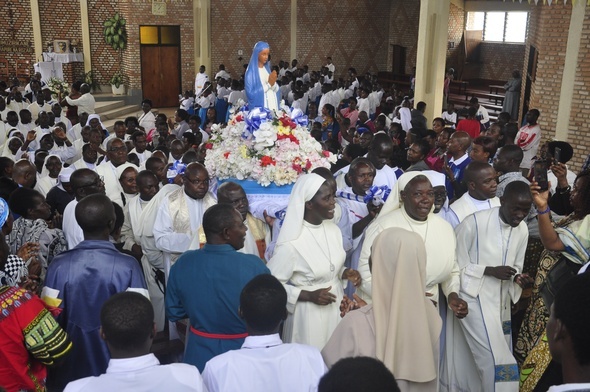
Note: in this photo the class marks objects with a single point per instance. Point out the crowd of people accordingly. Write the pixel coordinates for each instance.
(466, 274)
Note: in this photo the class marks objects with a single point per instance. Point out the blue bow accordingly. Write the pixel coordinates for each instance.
(299, 118)
(4, 211)
(256, 117)
(377, 194)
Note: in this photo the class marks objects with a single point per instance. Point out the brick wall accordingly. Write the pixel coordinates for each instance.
(404, 19)
(456, 27)
(498, 60)
(64, 24)
(238, 25)
(353, 33)
(177, 14)
(548, 32)
(104, 58)
(16, 32)
(579, 136)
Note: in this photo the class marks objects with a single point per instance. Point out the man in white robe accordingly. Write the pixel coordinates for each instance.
(146, 119)
(116, 155)
(84, 182)
(490, 252)
(481, 182)
(131, 232)
(200, 80)
(360, 214)
(180, 214)
(57, 111)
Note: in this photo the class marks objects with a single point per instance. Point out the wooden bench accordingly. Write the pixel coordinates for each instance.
(494, 97)
(462, 84)
(496, 88)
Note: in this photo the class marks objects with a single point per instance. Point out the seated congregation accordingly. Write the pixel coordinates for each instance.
(453, 280)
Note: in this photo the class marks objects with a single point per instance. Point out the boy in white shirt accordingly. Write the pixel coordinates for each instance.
(450, 116)
(265, 363)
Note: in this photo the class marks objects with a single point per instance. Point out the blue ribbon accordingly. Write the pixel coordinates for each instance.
(378, 194)
(299, 118)
(4, 211)
(255, 117)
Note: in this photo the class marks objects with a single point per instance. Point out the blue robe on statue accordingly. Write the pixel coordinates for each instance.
(86, 277)
(205, 286)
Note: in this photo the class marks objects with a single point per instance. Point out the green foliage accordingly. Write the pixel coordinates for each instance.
(118, 79)
(115, 33)
(89, 79)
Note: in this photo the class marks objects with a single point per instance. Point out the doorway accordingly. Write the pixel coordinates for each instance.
(160, 64)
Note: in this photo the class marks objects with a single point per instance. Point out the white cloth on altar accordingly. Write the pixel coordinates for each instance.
(479, 347)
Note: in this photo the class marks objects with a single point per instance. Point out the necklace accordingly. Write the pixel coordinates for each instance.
(412, 227)
(327, 255)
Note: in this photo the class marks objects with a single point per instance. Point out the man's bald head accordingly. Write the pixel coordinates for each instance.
(463, 138)
(226, 188)
(86, 182)
(475, 169)
(195, 168)
(24, 173)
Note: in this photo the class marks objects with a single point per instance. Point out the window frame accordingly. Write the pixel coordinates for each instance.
(485, 21)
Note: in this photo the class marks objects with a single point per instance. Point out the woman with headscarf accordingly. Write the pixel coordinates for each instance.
(11, 147)
(49, 174)
(260, 83)
(33, 226)
(409, 207)
(127, 175)
(401, 327)
(309, 261)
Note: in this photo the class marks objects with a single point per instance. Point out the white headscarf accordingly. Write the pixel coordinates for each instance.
(44, 170)
(407, 324)
(64, 176)
(121, 168)
(437, 179)
(95, 116)
(394, 201)
(303, 191)
(6, 151)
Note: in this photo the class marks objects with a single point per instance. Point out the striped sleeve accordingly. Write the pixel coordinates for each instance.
(45, 339)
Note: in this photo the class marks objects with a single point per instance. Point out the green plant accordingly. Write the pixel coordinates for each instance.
(91, 81)
(118, 79)
(115, 33)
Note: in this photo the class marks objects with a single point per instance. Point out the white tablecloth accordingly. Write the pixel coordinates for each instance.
(63, 57)
(49, 69)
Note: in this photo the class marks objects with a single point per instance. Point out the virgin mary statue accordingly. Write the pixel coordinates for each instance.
(260, 83)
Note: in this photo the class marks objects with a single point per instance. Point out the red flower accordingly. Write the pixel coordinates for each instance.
(239, 117)
(326, 153)
(308, 165)
(297, 168)
(209, 146)
(226, 155)
(266, 160)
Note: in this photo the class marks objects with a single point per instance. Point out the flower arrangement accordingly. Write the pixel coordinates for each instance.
(56, 85)
(265, 147)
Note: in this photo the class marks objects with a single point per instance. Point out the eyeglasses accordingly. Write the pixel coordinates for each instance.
(196, 181)
(98, 182)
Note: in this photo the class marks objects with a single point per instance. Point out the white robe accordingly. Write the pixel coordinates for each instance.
(479, 347)
(270, 92)
(111, 182)
(385, 176)
(147, 121)
(72, 230)
(45, 184)
(467, 205)
(302, 264)
(439, 239)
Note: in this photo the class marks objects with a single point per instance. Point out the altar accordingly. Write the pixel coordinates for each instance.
(65, 66)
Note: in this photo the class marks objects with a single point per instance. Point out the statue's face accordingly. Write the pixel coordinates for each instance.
(263, 56)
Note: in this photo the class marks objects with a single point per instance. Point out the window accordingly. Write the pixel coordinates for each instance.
(499, 26)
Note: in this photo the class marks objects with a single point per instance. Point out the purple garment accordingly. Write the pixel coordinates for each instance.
(86, 277)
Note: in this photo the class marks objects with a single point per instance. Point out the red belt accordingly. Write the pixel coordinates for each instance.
(218, 335)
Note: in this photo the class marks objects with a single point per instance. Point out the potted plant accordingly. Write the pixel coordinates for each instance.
(118, 83)
(90, 80)
(115, 35)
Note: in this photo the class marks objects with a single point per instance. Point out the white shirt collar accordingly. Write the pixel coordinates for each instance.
(263, 341)
(126, 365)
(460, 160)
